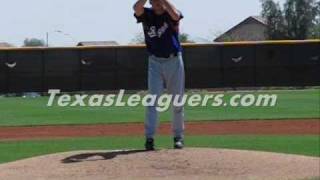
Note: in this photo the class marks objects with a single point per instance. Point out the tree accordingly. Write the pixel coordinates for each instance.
(300, 16)
(185, 38)
(315, 31)
(275, 20)
(138, 39)
(297, 20)
(33, 42)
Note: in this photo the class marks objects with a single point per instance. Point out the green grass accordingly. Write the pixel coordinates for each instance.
(302, 145)
(26, 112)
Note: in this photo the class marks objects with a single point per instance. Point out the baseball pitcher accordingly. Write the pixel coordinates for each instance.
(166, 68)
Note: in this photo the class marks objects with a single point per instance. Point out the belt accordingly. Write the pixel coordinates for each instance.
(172, 55)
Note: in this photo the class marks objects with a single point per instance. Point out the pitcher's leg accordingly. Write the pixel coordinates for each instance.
(175, 78)
(155, 86)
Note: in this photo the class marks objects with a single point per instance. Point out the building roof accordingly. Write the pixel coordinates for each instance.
(5, 44)
(260, 19)
(257, 19)
(98, 43)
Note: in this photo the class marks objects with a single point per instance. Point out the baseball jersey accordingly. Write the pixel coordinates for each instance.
(161, 33)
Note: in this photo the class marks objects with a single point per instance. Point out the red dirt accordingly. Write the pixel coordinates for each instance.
(259, 127)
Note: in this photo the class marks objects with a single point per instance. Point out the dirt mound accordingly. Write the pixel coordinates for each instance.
(185, 164)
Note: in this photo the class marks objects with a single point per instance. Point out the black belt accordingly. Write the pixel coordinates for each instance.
(172, 55)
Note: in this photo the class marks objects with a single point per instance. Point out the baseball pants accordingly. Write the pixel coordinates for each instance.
(167, 72)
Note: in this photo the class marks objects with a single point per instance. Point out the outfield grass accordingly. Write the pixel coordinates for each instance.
(26, 111)
(302, 145)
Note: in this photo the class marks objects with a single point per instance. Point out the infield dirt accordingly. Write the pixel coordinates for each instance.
(250, 127)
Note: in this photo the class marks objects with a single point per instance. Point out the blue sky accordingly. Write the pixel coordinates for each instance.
(94, 20)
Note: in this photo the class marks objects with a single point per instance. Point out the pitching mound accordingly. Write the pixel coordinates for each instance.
(164, 164)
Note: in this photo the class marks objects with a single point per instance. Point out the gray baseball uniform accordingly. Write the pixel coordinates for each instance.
(168, 71)
(165, 66)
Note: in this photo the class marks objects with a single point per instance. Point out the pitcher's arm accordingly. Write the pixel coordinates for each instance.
(139, 7)
(173, 12)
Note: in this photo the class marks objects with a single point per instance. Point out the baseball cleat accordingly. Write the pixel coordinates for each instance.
(149, 145)
(178, 143)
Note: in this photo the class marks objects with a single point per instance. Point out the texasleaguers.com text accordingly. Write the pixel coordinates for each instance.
(162, 102)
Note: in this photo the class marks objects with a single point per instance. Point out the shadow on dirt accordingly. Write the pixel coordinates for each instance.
(85, 157)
